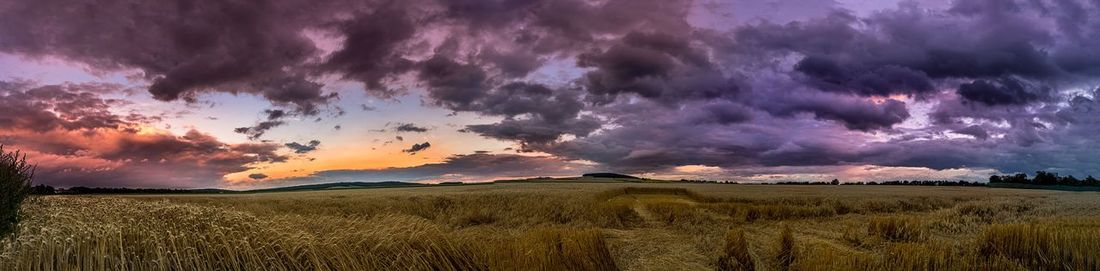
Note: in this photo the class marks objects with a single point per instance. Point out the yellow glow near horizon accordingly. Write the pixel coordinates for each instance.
(697, 169)
(354, 158)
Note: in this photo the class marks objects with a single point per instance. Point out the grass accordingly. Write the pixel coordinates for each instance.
(566, 226)
(1045, 245)
(736, 253)
(786, 253)
(550, 249)
(897, 229)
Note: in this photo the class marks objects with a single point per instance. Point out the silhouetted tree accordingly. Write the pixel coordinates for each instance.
(15, 184)
(1045, 178)
(43, 190)
(1069, 180)
(1018, 178)
(836, 182)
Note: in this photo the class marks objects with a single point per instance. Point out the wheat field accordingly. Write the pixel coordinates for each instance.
(566, 226)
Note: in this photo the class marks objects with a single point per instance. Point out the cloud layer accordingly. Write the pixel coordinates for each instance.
(76, 139)
(997, 85)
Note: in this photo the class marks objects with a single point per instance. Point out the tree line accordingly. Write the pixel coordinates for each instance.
(1045, 178)
(900, 182)
(838, 182)
(1041, 178)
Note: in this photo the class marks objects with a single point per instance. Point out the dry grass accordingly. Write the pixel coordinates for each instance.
(897, 229)
(160, 235)
(552, 249)
(1046, 246)
(786, 253)
(603, 226)
(736, 253)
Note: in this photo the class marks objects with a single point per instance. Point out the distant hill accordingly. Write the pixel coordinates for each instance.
(345, 185)
(308, 187)
(117, 190)
(609, 175)
(586, 178)
(602, 177)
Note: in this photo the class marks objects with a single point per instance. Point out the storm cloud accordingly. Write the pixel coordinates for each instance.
(637, 86)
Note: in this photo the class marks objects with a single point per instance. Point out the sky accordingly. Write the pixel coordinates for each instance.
(262, 93)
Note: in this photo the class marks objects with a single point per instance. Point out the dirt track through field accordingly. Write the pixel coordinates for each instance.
(651, 246)
(645, 214)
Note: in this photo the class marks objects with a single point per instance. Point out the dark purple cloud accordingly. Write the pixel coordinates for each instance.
(256, 131)
(371, 51)
(183, 48)
(1005, 91)
(418, 147)
(535, 130)
(300, 148)
(661, 66)
(409, 128)
(53, 107)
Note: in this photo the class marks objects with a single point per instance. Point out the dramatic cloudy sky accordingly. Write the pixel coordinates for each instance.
(254, 93)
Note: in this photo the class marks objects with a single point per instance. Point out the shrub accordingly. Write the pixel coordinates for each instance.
(736, 255)
(15, 185)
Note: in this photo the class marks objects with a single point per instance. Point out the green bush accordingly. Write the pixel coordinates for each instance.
(15, 184)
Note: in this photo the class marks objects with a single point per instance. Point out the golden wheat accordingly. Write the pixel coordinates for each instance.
(605, 226)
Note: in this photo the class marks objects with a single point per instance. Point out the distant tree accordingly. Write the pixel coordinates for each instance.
(1019, 178)
(1069, 180)
(835, 182)
(43, 190)
(15, 185)
(1045, 178)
